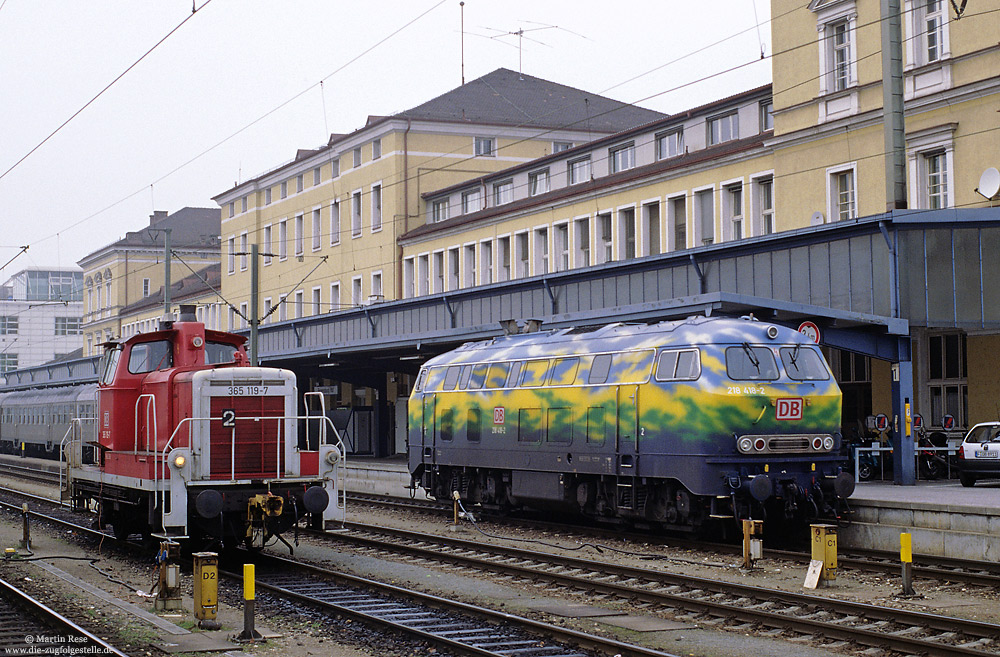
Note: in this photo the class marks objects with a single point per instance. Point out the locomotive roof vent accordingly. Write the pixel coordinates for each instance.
(187, 313)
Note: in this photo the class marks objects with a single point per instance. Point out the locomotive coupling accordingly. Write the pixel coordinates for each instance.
(263, 505)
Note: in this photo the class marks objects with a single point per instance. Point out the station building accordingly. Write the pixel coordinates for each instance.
(40, 315)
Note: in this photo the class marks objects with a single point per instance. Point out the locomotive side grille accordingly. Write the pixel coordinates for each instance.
(256, 443)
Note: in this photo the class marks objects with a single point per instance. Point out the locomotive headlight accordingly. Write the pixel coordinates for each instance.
(179, 461)
(828, 443)
(745, 445)
(817, 443)
(759, 444)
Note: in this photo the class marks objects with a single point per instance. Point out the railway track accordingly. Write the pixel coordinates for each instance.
(829, 621)
(27, 625)
(29, 473)
(926, 567)
(450, 625)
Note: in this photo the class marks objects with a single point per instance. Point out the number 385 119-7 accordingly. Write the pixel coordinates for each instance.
(243, 391)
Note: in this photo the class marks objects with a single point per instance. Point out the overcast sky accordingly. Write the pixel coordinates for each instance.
(235, 90)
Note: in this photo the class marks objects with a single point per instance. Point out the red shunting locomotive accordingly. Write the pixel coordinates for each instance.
(193, 442)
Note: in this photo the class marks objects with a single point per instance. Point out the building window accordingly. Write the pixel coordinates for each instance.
(765, 205)
(842, 196)
(560, 247)
(243, 252)
(723, 128)
(538, 182)
(541, 250)
(356, 293)
(334, 168)
(622, 157)
(934, 179)
(232, 209)
(356, 214)
(317, 230)
(947, 378)
(376, 149)
(267, 311)
(335, 222)
(376, 208)
(604, 238)
(472, 201)
(503, 258)
(485, 146)
(669, 144)
(704, 208)
(334, 296)
(243, 313)
(317, 176)
(357, 157)
(485, 262)
(439, 210)
(734, 211)
(284, 189)
(243, 204)
(283, 239)
(8, 362)
(560, 146)
(579, 170)
(469, 279)
(8, 325)
(299, 240)
(503, 192)
(282, 308)
(453, 268)
(267, 246)
(521, 256)
(299, 304)
(423, 274)
(317, 301)
(581, 241)
(626, 234)
(437, 272)
(767, 115)
(145, 287)
(267, 196)
(300, 182)
(840, 54)
(376, 294)
(232, 261)
(651, 219)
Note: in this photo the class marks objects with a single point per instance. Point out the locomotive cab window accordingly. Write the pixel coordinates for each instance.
(109, 363)
(746, 363)
(150, 356)
(676, 365)
(804, 364)
(219, 352)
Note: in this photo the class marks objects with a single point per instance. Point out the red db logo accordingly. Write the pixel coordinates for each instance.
(498, 415)
(788, 408)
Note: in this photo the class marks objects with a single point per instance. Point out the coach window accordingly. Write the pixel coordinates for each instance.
(478, 376)
(535, 372)
(804, 364)
(149, 356)
(451, 377)
(599, 369)
(473, 426)
(631, 366)
(564, 371)
(746, 363)
(498, 375)
(515, 373)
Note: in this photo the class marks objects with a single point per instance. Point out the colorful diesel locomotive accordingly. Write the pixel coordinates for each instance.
(194, 442)
(672, 424)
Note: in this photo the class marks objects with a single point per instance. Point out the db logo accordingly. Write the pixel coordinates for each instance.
(498, 415)
(789, 408)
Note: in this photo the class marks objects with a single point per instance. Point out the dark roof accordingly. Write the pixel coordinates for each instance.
(187, 287)
(505, 97)
(191, 227)
(680, 162)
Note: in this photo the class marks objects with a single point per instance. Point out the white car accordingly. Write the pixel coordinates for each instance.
(979, 454)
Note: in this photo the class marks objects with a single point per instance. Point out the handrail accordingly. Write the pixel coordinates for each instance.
(135, 428)
(70, 435)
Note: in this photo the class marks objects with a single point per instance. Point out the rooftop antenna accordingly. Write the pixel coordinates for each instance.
(519, 33)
